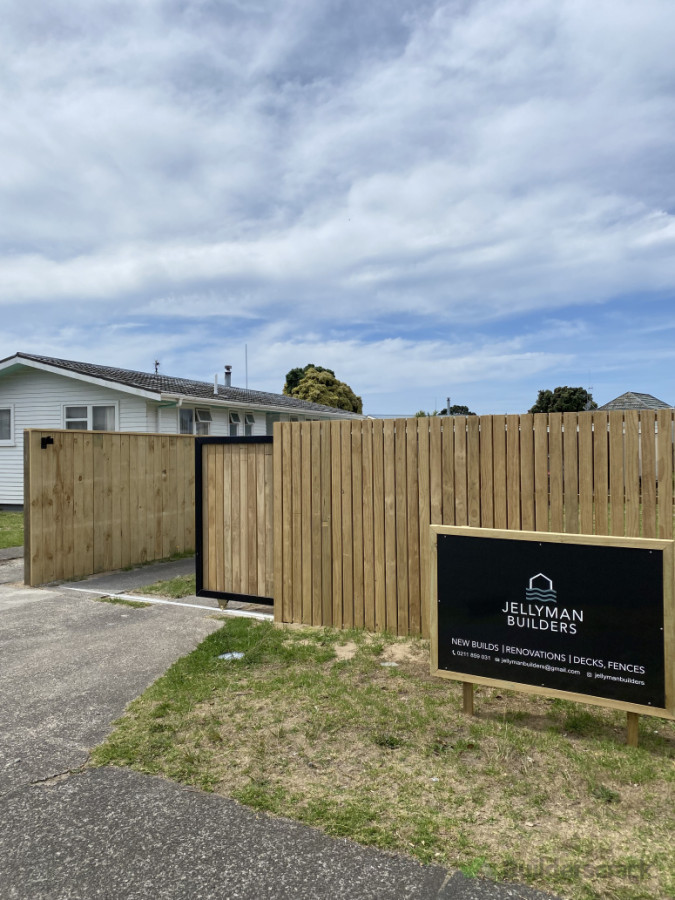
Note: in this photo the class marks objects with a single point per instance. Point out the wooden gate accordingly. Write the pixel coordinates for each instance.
(234, 518)
(96, 501)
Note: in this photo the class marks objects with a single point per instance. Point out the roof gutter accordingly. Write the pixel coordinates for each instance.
(178, 399)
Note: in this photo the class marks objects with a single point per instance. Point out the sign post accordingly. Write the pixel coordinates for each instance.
(468, 697)
(582, 617)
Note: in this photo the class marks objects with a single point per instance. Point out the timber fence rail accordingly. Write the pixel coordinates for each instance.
(96, 501)
(353, 500)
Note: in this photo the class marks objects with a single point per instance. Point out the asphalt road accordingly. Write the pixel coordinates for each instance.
(69, 666)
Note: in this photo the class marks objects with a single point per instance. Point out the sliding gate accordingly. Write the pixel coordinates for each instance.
(234, 518)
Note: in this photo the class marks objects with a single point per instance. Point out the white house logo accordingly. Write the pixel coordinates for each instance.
(540, 590)
(541, 612)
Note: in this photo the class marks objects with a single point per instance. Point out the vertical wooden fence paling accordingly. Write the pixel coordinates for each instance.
(374, 487)
(96, 501)
(664, 463)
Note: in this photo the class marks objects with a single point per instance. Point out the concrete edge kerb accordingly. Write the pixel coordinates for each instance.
(144, 598)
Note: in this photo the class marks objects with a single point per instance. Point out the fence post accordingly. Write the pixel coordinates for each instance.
(26, 508)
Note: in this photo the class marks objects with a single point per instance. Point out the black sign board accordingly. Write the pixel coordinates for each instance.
(584, 617)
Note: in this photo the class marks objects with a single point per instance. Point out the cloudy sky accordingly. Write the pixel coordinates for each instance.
(472, 198)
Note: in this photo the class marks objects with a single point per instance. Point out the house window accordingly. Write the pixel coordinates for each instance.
(187, 421)
(7, 425)
(103, 418)
(235, 421)
(195, 421)
(270, 419)
(90, 418)
(203, 418)
(77, 417)
(293, 419)
(249, 422)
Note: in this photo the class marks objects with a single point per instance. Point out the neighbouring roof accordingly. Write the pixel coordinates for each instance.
(182, 387)
(633, 400)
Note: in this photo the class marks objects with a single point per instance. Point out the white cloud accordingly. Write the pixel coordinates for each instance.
(462, 163)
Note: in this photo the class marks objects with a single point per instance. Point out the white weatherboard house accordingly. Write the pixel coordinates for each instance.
(42, 392)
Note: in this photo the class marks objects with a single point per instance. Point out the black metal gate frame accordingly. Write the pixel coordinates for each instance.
(199, 524)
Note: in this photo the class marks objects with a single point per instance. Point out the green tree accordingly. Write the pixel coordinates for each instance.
(457, 410)
(564, 399)
(295, 376)
(319, 385)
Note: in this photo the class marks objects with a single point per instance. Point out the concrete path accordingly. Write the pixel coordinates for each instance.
(125, 584)
(112, 833)
(11, 571)
(69, 667)
(117, 582)
(11, 553)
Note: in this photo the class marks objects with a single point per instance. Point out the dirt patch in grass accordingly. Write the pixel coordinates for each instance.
(310, 725)
(414, 655)
(346, 651)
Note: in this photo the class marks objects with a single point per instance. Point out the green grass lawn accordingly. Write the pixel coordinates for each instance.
(11, 529)
(310, 725)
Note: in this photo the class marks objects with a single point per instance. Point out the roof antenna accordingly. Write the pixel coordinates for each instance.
(587, 405)
(156, 366)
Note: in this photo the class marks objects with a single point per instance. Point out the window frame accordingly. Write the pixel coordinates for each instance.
(202, 421)
(249, 426)
(179, 412)
(11, 442)
(234, 422)
(90, 414)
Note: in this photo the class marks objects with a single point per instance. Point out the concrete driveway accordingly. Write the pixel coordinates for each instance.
(69, 666)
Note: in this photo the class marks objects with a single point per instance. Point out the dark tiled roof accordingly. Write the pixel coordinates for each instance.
(632, 400)
(199, 390)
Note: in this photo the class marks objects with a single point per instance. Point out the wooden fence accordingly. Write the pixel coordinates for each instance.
(96, 501)
(353, 500)
(234, 517)
(347, 542)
